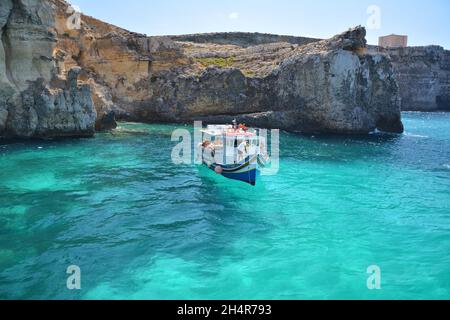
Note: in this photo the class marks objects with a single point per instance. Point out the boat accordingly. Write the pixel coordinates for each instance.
(233, 151)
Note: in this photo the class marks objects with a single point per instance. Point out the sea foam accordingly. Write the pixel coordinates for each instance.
(415, 135)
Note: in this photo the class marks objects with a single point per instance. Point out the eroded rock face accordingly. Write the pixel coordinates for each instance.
(44, 111)
(119, 65)
(34, 100)
(339, 92)
(6, 90)
(423, 75)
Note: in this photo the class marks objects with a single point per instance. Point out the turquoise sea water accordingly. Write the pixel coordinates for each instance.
(140, 227)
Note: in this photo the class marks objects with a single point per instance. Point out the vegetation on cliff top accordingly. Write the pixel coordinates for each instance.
(216, 61)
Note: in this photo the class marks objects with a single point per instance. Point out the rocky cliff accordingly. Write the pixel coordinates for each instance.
(55, 71)
(423, 76)
(422, 73)
(242, 39)
(328, 86)
(36, 101)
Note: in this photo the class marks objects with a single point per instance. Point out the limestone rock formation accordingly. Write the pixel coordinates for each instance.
(66, 63)
(330, 86)
(423, 75)
(34, 100)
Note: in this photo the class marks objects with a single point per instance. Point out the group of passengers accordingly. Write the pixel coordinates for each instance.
(242, 146)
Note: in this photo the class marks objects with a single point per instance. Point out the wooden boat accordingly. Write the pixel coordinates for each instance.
(235, 152)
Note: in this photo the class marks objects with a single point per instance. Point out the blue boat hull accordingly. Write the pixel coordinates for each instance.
(248, 177)
(244, 171)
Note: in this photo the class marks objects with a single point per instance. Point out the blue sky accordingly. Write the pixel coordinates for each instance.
(425, 22)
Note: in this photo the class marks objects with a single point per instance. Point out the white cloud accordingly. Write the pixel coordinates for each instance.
(234, 16)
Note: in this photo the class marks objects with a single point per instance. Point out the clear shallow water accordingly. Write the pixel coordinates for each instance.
(142, 228)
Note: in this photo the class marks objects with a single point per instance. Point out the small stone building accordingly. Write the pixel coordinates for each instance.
(393, 41)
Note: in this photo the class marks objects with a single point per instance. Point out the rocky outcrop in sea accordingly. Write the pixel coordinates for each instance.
(59, 79)
(330, 86)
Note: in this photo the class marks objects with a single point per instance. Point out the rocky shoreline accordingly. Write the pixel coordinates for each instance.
(58, 81)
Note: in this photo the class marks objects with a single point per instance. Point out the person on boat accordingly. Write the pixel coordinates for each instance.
(206, 143)
(243, 127)
(235, 125)
(209, 147)
(243, 150)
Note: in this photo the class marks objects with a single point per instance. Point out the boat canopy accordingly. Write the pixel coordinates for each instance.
(229, 132)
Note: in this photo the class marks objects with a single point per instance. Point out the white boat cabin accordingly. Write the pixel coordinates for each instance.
(224, 144)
